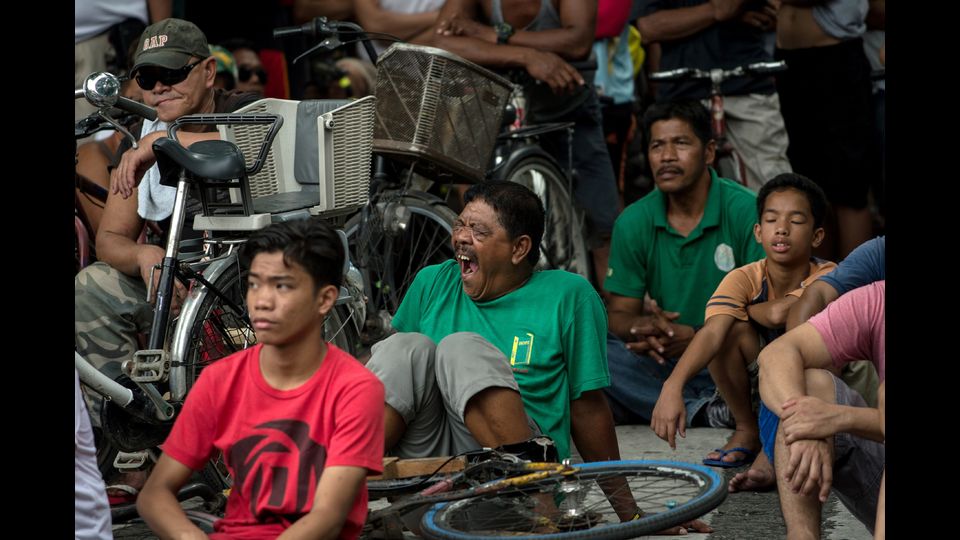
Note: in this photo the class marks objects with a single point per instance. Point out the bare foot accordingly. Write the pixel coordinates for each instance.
(759, 477)
(743, 439)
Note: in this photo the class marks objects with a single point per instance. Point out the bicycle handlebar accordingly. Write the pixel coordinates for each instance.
(135, 107)
(584, 65)
(718, 75)
(328, 32)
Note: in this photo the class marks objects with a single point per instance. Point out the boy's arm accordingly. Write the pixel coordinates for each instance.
(158, 505)
(336, 492)
(814, 299)
(772, 313)
(669, 414)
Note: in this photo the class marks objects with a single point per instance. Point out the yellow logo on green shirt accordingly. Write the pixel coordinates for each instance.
(522, 350)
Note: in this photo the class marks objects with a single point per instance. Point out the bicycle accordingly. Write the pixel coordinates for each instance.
(728, 161)
(500, 496)
(212, 323)
(519, 158)
(437, 116)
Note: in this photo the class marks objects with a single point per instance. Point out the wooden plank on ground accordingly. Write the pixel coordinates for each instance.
(404, 468)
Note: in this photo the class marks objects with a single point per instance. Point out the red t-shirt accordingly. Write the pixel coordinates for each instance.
(853, 327)
(276, 443)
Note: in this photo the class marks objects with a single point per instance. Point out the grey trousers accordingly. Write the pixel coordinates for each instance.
(430, 384)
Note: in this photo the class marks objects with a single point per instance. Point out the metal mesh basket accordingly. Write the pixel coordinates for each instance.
(438, 111)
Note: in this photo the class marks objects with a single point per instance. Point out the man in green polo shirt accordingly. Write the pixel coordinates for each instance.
(675, 245)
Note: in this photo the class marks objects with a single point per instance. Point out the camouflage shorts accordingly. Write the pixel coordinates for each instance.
(110, 309)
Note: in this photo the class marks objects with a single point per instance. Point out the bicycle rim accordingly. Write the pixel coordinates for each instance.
(563, 246)
(340, 329)
(390, 255)
(219, 329)
(668, 493)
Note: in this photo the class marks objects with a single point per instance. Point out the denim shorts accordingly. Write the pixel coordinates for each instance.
(857, 462)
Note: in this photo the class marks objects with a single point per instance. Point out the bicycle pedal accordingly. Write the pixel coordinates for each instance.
(148, 365)
(131, 460)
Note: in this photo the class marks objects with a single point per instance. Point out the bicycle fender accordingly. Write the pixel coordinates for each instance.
(522, 152)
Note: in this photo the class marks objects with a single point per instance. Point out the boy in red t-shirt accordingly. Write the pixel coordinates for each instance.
(298, 421)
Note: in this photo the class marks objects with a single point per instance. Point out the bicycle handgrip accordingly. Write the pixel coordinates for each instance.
(136, 108)
(767, 67)
(287, 31)
(672, 74)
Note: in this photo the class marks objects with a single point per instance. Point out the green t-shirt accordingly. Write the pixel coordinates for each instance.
(648, 255)
(553, 331)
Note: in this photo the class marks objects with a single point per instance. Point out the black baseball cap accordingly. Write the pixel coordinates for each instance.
(170, 43)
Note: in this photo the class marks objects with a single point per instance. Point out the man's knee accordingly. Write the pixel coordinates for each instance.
(100, 285)
(742, 335)
(463, 348)
(820, 384)
(401, 353)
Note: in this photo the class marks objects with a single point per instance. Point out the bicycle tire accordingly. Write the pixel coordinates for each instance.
(693, 489)
(563, 246)
(388, 256)
(340, 329)
(219, 330)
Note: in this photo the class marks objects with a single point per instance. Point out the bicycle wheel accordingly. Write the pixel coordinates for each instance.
(669, 493)
(219, 329)
(340, 329)
(392, 240)
(563, 246)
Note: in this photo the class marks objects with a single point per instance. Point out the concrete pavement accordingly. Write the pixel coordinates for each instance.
(742, 515)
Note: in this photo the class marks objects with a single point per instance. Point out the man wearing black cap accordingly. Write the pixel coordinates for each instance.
(174, 68)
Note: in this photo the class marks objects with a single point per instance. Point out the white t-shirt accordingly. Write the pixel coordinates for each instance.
(91, 510)
(402, 6)
(94, 17)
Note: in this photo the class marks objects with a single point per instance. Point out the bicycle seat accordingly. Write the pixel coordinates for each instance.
(214, 160)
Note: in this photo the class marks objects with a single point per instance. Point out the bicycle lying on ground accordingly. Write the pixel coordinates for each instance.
(500, 496)
(728, 161)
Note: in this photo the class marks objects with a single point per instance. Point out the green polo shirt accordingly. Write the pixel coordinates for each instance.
(680, 273)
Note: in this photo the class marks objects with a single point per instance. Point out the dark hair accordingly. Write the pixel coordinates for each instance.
(785, 181)
(312, 243)
(518, 209)
(691, 112)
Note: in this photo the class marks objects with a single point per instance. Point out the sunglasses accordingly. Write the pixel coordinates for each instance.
(148, 76)
(246, 73)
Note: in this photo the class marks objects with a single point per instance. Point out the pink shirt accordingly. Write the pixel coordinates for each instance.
(853, 327)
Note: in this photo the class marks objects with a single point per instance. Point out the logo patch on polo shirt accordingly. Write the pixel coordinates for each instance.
(522, 349)
(723, 258)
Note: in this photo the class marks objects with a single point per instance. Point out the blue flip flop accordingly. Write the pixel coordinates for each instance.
(748, 459)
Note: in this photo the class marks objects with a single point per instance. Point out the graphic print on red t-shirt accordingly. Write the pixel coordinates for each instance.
(250, 457)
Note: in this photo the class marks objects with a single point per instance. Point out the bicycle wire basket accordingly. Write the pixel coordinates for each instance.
(438, 111)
